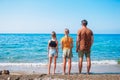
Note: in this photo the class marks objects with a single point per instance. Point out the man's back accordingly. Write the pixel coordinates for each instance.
(83, 45)
(85, 38)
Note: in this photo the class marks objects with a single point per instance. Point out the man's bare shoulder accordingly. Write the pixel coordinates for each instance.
(90, 31)
(79, 31)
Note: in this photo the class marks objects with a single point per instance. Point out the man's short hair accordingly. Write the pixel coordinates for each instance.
(84, 22)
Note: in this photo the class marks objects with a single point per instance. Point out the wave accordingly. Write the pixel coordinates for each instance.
(111, 62)
(105, 62)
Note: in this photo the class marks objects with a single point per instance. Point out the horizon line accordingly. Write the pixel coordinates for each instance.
(50, 33)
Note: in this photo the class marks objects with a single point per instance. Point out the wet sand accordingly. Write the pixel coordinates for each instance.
(38, 69)
(39, 72)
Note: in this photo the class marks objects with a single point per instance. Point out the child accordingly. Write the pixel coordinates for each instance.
(52, 51)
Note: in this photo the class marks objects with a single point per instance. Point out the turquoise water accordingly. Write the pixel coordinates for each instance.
(32, 48)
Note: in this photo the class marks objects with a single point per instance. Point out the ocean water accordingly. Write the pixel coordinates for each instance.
(32, 48)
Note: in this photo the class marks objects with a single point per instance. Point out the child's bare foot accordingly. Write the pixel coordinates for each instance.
(48, 73)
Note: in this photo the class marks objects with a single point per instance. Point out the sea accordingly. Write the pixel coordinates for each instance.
(32, 48)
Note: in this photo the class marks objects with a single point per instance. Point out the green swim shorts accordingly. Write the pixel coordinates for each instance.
(67, 53)
(81, 53)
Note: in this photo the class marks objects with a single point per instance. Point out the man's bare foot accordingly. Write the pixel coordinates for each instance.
(79, 72)
(88, 73)
(53, 73)
(68, 74)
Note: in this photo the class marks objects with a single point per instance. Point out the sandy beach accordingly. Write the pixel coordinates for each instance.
(33, 31)
(39, 72)
(62, 77)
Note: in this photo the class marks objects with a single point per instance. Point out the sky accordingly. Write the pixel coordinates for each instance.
(45, 16)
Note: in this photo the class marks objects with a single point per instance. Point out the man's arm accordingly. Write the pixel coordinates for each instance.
(92, 39)
(77, 43)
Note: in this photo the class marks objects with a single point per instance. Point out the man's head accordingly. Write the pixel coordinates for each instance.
(66, 31)
(84, 22)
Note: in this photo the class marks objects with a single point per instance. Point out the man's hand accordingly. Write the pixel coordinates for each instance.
(76, 50)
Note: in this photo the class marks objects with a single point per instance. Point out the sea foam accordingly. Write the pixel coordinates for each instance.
(111, 62)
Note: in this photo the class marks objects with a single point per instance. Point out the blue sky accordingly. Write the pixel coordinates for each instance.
(44, 16)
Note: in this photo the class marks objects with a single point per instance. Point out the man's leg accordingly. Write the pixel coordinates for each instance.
(64, 65)
(87, 54)
(49, 64)
(80, 64)
(69, 66)
(80, 55)
(88, 64)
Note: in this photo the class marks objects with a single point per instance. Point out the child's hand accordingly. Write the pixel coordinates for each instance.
(48, 54)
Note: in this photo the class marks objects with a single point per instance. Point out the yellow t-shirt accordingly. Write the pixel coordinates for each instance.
(67, 42)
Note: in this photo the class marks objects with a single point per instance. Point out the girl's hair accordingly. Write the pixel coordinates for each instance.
(53, 34)
(66, 29)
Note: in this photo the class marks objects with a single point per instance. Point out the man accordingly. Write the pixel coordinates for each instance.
(83, 45)
(67, 45)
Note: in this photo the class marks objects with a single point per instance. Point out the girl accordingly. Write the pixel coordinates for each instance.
(52, 51)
